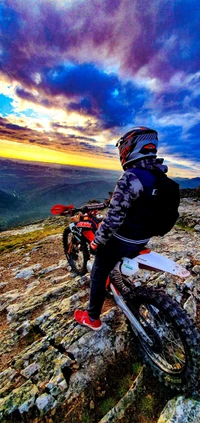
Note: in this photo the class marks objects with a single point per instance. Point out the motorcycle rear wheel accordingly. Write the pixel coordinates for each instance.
(174, 353)
(76, 252)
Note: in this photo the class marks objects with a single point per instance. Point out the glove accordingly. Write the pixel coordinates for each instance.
(93, 247)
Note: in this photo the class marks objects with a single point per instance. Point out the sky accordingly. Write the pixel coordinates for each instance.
(75, 75)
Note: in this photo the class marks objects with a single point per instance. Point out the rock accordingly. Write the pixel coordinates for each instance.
(62, 263)
(92, 405)
(45, 403)
(49, 269)
(30, 353)
(27, 272)
(2, 284)
(32, 285)
(21, 399)
(172, 291)
(191, 307)
(12, 309)
(57, 385)
(7, 298)
(56, 279)
(6, 381)
(181, 410)
(24, 328)
(189, 283)
(30, 370)
(42, 318)
(196, 269)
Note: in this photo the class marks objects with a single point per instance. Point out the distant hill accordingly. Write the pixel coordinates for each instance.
(188, 183)
(8, 201)
(36, 204)
(72, 193)
(22, 177)
(29, 190)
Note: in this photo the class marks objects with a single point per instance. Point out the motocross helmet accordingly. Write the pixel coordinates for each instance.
(138, 143)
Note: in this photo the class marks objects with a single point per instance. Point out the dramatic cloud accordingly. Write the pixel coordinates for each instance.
(95, 93)
(84, 145)
(156, 33)
(87, 70)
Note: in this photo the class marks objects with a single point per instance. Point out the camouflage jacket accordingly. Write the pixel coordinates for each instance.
(127, 190)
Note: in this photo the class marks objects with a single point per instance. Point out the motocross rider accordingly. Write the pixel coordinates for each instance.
(122, 232)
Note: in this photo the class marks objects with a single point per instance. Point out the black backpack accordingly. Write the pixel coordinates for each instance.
(163, 200)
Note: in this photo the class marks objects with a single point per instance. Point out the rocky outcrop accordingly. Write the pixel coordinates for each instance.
(55, 370)
(49, 361)
(189, 214)
(181, 410)
(190, 193)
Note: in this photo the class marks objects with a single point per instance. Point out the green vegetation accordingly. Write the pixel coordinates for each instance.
(107, 404)
(12, 242)
(184, 227)
(125, 384)
(136, 368)
(128, 379)
(146, 406)
(85, 417)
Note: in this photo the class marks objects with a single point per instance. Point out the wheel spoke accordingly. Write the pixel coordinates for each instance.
(172, 355)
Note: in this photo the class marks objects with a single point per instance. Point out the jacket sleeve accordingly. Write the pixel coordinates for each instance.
(128, 188)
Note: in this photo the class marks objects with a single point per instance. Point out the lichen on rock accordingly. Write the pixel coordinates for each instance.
(181, 410)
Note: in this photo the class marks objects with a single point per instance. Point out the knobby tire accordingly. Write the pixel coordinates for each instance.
(162, 317)
(76, 252)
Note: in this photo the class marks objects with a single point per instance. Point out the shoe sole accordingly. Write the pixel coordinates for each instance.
(91, 327)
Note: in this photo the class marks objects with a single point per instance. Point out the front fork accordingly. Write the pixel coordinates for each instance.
(136, 326)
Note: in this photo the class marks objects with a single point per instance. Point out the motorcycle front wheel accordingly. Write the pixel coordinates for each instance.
(76, 252)
(173, 350)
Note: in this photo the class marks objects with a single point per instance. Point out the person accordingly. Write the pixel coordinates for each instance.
(124, 231)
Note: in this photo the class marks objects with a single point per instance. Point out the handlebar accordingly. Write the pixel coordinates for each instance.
(64, 210)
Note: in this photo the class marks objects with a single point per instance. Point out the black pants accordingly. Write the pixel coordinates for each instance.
(106, 258)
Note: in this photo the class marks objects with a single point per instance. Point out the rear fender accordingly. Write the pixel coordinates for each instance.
(155, 261)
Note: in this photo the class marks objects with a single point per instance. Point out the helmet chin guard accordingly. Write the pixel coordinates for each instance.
(138, 143)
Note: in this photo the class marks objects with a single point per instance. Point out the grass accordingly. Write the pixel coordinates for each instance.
(146, 406)
(128, 379)
(125, 384)
(107, 404)
(184, 227)
(136, 367)
(85, 417)
(13, 242)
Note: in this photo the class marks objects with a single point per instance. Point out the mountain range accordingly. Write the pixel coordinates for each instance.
(29, 190)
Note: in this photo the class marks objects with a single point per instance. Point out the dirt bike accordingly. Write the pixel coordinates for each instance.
(168, 340)
(80, 232)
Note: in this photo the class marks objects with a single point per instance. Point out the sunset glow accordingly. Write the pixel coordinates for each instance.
(12, 150)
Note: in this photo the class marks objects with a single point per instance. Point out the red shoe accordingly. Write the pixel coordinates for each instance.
(83, 318)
